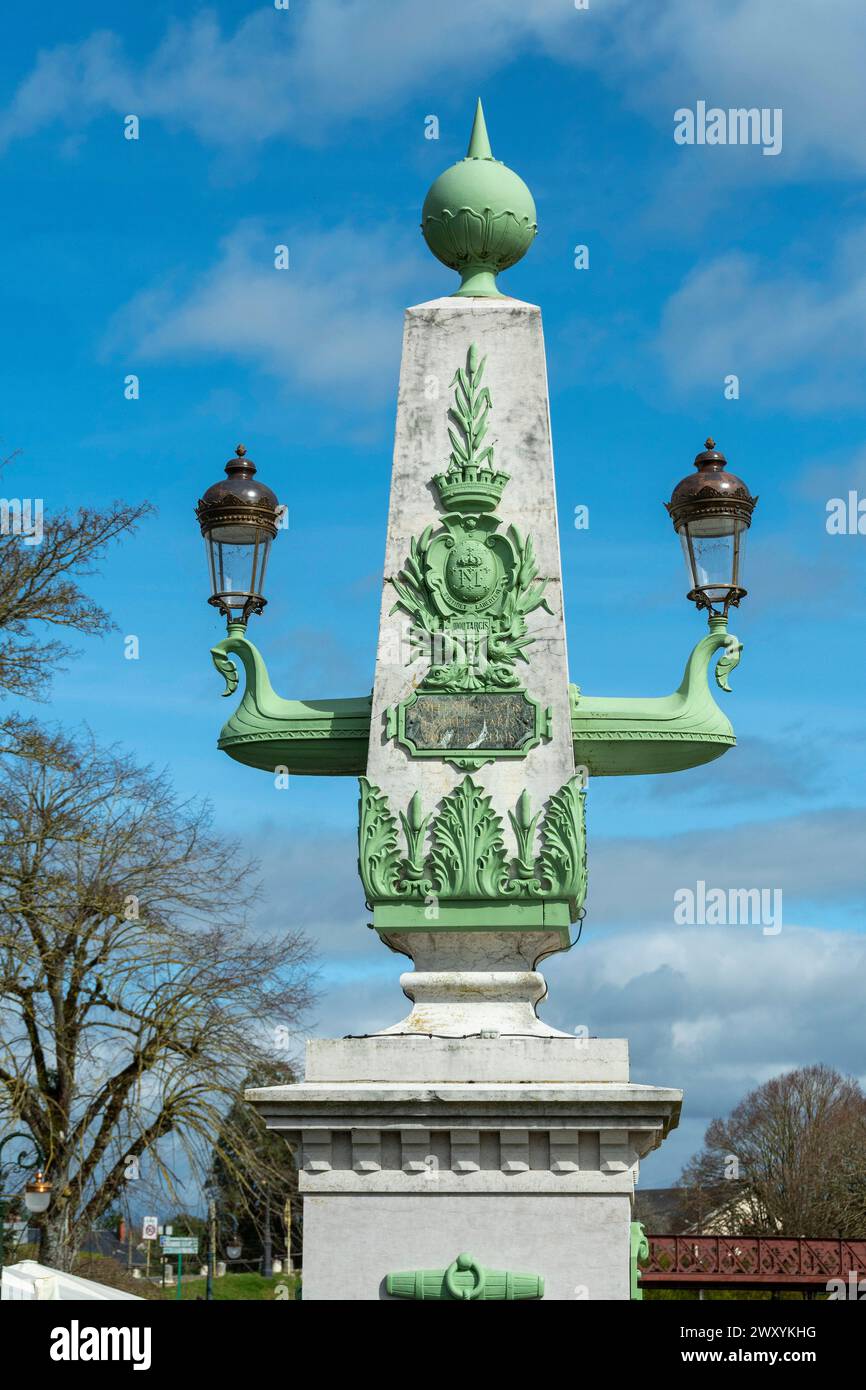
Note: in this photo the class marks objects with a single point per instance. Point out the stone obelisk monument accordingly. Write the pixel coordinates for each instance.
(469, 1150)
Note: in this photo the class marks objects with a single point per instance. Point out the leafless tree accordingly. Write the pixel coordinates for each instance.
(791, 1158)
(254, 1200)
(134, 999)
(40, 591)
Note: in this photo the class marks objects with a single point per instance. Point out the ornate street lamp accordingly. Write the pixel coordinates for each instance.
(712, 511)
(473, 782)
(37, 1193)
(239, 518)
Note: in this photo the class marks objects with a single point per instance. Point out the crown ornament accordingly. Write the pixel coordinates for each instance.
(472, 483)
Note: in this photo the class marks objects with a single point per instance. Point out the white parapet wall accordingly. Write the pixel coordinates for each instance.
(31, 1281)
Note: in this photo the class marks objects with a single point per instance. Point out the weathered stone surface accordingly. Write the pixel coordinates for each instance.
(388, 1058)
(437, 337)
(469, 982)
(568, 1240)
(535, 1176)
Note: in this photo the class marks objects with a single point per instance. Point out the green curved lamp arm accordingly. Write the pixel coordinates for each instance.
(314, 737)
(668, 733)
(611, 737)
(693, 686)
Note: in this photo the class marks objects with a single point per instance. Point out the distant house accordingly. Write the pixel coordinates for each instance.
(660, 1209)
(721, 1210)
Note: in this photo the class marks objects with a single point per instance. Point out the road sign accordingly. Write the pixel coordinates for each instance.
(179, 1245)
(150, 1228)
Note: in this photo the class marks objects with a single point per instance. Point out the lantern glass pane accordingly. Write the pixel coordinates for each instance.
(713, 551)
(237, 559)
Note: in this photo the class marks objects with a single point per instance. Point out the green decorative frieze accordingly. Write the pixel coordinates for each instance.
(464, 1281)
(458, 857)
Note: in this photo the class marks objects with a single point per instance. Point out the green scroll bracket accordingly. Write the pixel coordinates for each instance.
(639, 1251)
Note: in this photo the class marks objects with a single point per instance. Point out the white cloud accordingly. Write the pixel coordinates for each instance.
(331, 319)
(303, 71)
(795, 54)
(716, 1010)
(299, 72)
(811, 858)
(792, 335)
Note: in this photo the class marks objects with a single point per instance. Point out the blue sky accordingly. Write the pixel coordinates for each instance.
(307, 127)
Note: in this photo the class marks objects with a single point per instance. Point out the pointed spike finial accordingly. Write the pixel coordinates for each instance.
(479, 143)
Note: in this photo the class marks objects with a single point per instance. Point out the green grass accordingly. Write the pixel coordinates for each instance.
(236, 1287)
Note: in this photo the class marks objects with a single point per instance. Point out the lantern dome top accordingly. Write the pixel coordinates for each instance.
(238, 497)
(479, 216)
(712, 485)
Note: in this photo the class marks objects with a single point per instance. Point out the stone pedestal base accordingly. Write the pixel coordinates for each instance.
(520, 1151)
(471, 982)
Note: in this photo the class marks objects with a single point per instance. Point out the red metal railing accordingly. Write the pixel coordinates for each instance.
(750, 1261)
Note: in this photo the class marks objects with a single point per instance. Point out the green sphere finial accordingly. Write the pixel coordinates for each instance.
(479, 216)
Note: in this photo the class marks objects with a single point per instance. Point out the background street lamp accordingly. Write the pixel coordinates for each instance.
(239, 518)
(712, 510)
(37, 1193)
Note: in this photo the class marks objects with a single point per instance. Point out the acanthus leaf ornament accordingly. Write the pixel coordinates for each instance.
(468, 857)
(378, 855)
(562, 862)
(467, 860)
